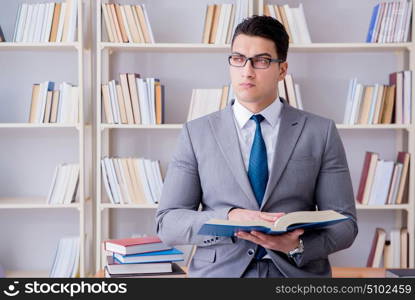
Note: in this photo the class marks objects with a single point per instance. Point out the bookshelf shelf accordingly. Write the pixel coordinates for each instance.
(123, 206)
(179, 126)
(39, 61)
(40, 46)
(374, 126)
(26, 203)
(32, 125)
(199, 47)
(383, 207)
(27, 274)
(125, 126)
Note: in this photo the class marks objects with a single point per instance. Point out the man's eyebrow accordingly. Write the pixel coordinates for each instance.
(260, 54)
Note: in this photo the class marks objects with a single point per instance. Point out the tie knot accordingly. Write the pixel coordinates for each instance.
(258, 118)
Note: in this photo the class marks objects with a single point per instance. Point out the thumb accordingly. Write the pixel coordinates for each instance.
(296, 233)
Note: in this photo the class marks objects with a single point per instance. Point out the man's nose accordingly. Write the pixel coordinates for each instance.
(248, 70)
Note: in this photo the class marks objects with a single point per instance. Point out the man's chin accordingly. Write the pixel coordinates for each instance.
(247, 99)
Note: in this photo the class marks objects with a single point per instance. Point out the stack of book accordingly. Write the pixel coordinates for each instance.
(142, 257)
(64, 184)
(2, 38)
(383, 182)
(127, 23)
(54, 106)
(66, 261)
(392, 248)
(222, 19)
(135, 101)
(390, 22)
(46, 22)
(293, 19)
(132, 180)
(380, 104)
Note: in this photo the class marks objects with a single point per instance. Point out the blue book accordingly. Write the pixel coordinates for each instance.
(150, 257)
(286, 223)
(372, 23)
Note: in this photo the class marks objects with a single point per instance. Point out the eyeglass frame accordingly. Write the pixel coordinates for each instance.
(277, 60)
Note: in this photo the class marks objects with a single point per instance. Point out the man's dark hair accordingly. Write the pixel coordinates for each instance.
(268, 28)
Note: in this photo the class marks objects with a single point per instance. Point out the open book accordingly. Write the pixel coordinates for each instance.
(288, 222)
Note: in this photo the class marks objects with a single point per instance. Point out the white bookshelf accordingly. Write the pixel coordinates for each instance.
(297, 48)
(180, 50)
(64, 46)
(67, 141)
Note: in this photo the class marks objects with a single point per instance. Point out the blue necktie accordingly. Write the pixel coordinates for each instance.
(258, 169)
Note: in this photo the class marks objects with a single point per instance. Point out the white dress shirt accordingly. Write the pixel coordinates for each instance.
(246, 129)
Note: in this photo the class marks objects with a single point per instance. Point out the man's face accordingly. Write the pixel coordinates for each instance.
(256, 85)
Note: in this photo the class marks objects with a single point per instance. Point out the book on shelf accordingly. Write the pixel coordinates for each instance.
(66, 261)
(127, 23)
(176, 272)
(389, 249)
(203, 102)
(64, 185)
(170, 255)
(383, 182)
(390, 22)
(288, 222)
(396, 251)
(290, 91)
(134, 100)
(47, 22)
(293, 19)
(206, 101)
(221, 20)
(54, 106)
(378, 103)
(135, 245)
(132, 180)
(376, 251)
(2, 38)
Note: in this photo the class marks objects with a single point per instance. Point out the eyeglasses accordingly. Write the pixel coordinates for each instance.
(257, 62)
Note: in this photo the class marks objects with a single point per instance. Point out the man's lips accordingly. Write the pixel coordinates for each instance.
(246, 85)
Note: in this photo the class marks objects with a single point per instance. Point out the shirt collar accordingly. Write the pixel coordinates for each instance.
(271, 113)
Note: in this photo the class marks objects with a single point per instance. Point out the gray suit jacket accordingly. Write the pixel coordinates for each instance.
(309, 171)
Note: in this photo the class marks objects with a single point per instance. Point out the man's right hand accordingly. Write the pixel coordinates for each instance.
(239, 214)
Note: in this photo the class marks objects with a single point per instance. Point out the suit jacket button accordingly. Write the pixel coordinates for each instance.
(251, 252)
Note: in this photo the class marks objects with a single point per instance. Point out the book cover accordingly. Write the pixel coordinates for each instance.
(135, 245)
(169, 255)
(114, 267)
(177, 272)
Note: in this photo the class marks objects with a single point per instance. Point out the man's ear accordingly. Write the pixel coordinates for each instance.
(283, 70)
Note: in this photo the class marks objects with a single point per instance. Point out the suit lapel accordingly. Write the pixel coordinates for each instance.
(291, 125)
(224, 131)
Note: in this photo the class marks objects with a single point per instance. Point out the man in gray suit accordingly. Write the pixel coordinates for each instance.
(257, 159)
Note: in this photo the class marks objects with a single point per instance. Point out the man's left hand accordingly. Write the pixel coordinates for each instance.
(284, 242)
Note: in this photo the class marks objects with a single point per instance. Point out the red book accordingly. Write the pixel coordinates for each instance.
(135, 245)
(376, 251)
(363, 177)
